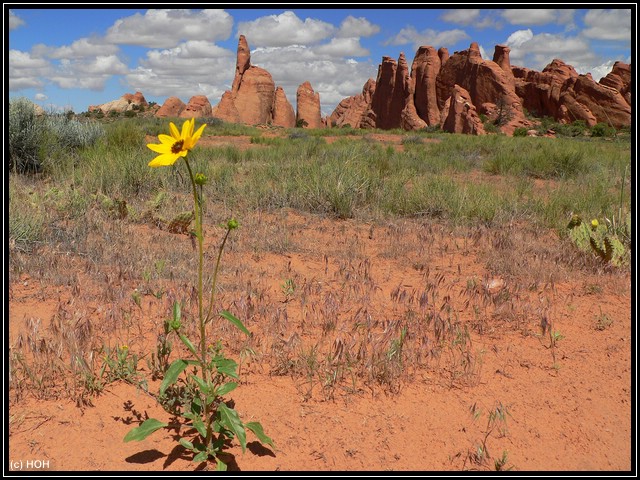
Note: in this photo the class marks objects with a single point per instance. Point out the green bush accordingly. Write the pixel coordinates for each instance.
(25, 135)
(69, 133)
(603, 130)
(520, 132)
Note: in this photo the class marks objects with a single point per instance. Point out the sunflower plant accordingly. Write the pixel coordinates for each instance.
(210, 373)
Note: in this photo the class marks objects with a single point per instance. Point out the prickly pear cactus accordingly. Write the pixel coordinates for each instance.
(597, 238)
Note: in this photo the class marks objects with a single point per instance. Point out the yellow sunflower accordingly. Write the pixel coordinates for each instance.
(176, 145)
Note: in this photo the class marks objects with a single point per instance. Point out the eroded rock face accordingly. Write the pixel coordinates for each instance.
(308, 107)
(462, 116)
(350, 110)
(486, 83)
(243, 60)
(283, 114)
(560, 92)
(620, 79)
(252, 95)
(127, 102)
(226, 110)
(172, 107)
(392, 104)
(443, 53)
(600, 102)
(424, 71)
(197, 107)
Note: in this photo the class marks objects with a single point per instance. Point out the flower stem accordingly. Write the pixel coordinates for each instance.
(215, 276)
(203, 344)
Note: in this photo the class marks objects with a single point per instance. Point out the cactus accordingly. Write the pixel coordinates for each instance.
(599, 239)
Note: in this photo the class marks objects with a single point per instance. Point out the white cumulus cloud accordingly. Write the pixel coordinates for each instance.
(285, 29)
(462, 16)
(539, 16)
(537, 51)
(14, 21)
(357, 27)
(608, 24)
(192, 68)
(517, 38)
(434, 38)
(166, 27)
(341, 47)
(26, 71)
(81, 48)
(91, 73)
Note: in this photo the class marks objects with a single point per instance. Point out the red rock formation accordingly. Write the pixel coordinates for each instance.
(136, 99)
(172, 107)
(243, 60)
(308, 106)
(620, 79)
(593, 102)
(254, 96)
(443, 54)
(379, 113)
(197, 107)
(487, 84)
(462, 116)
(540, 91)
(495, 88)
(424, 70)
(283, 114)
(226, 110)
(392, 101)
(252, 92)
(501, 57)
(351, 109)
(403, 96)
(124, 103)
(560, 92)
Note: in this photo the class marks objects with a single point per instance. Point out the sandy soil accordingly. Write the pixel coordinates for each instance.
(567, 408)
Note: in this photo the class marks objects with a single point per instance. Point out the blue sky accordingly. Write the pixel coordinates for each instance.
(63, 58)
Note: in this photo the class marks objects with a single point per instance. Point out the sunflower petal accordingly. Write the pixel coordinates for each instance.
(175, 133)
(186, 126)
(197, 135)
(166, 139)
(164, 160)
(159, 148)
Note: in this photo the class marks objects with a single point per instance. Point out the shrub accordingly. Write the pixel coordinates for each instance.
(69, 133)
(603, 130)
(25, 134)
(520, 132)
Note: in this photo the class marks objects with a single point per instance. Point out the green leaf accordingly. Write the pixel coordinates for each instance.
(186, 444)
(229, 419)
(172, 374)
(145, 429)
(201, 457)
(226, 388)
(188, 343)
(229, 316)
(201, 383)
(221, 466)
(256, 428)
(227, 366)
(176, 311)
(198, 424)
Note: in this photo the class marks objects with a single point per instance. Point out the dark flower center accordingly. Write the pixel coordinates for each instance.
(177, 147)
